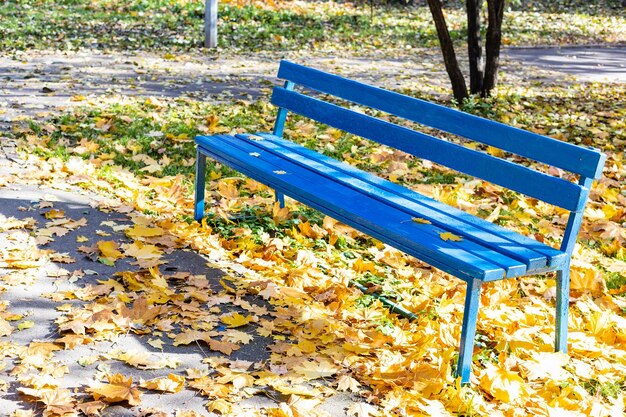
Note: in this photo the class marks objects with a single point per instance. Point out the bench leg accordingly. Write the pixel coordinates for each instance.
(280, 198)
(198, 213)
(562, 306)
(468, 333)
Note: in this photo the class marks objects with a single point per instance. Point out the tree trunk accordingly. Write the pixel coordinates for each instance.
(459, 88)
(492, 45)
(474, 48)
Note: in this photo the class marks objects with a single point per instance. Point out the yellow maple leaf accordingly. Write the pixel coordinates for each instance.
(450, 236)
(5, 327)
(109, 249)
(225, 347)
(156, 343)
(221, 406)
(141, 231)
(142, 251)
(54, 214)
(236, 320)
(502, 384)
(313, 370)
(236, 336)
(190, 336)
(26, 324)
(91, 408)
(58, 402)
(116, 390)
(362, 410)
(420, 220)
(347, 383)
(187, 413)
(546, 365)
(81, 239)
(173, 383)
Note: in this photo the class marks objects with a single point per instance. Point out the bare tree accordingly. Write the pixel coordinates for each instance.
(483, 77)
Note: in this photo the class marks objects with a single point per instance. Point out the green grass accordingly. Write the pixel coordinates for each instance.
(175, 26)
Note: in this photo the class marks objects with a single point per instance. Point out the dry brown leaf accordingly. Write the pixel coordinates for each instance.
(172, 383)
(118, 388)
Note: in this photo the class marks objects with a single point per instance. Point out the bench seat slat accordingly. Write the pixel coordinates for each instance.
(362, 215)
(584, 161)
(516, 177)
(359, 210)
(512, 266)
(533, 254)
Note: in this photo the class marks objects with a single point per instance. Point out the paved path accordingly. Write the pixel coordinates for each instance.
(586, 63)
(37, 83)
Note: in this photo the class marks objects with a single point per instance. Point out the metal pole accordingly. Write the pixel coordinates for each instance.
(210, 24)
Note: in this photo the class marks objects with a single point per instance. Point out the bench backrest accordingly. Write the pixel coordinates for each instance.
(585, 162)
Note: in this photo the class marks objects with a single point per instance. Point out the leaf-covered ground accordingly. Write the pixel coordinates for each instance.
(112, 268)
(262, 26)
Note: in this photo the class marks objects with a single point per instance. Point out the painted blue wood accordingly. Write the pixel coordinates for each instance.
(584, 161)
(575, 220)
(200, 185)
(458, 221)
(445, 219)
(354, 209)
(468, 331)
(280, 199)
(279, 127)
(562, 307)
(512, 266)
(281, 117)
(516, 177)
(563, 276)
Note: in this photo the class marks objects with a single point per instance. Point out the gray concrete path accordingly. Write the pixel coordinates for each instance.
(601, 64)
(38, 83)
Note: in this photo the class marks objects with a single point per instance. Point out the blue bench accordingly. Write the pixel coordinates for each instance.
(384, 210)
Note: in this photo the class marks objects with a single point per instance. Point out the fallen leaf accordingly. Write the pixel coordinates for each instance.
(119, 388)
(172, 383)
(450, 236)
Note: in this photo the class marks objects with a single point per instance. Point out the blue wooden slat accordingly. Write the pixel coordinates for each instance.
(530, 258)
(533, 253)
(458, 221)
(512, 266)
(354, 209)
(516, 177)
(585, 161)
(279, 125)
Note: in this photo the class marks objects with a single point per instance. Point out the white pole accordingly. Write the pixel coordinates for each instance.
(210, 24)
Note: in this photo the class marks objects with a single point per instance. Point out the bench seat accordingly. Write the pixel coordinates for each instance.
(486, 251)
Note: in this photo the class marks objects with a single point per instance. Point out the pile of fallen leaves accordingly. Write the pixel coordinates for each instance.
(288, 273)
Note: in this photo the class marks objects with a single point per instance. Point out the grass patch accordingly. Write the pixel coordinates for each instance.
(174, 26)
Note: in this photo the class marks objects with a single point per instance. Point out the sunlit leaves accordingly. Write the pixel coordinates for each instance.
(313, 370)
(450, 236)
(117, 388)
(236, 320)
(172, 384)
(110, 251)
(502, 384)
